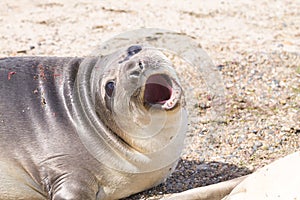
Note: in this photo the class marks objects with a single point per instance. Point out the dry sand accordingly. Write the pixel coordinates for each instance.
(255, 44)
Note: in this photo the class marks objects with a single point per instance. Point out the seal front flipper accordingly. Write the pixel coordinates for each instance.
(74, 185)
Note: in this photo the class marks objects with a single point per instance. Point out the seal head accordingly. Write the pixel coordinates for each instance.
(141, 97)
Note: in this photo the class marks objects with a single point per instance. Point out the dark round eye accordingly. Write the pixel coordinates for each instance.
(109, 88)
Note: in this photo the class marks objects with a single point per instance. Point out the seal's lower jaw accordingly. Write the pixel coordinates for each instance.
(161, 91)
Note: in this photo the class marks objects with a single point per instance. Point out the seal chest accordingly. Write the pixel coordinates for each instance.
(94, 128)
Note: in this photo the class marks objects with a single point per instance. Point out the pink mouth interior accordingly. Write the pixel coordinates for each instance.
(157, 90)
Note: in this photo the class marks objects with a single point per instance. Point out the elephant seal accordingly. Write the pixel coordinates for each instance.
(101, 127)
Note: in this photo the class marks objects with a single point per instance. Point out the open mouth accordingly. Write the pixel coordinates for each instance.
(161, 90)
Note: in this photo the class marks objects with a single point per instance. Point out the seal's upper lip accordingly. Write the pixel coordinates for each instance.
(161, 90)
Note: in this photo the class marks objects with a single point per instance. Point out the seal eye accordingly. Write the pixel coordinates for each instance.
(109, 88)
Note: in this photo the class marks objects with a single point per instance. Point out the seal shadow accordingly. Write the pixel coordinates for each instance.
(191, 174)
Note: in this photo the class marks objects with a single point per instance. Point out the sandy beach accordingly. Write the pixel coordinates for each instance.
(255, 45)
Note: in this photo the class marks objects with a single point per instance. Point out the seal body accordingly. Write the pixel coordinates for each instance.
(53, 145)
(278, 180)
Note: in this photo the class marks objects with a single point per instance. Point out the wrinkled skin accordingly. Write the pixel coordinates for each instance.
(59, 139)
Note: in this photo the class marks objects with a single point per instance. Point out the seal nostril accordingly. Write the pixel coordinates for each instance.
(134, 50)
(141, 64)
(135, 73)
(130, 66)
